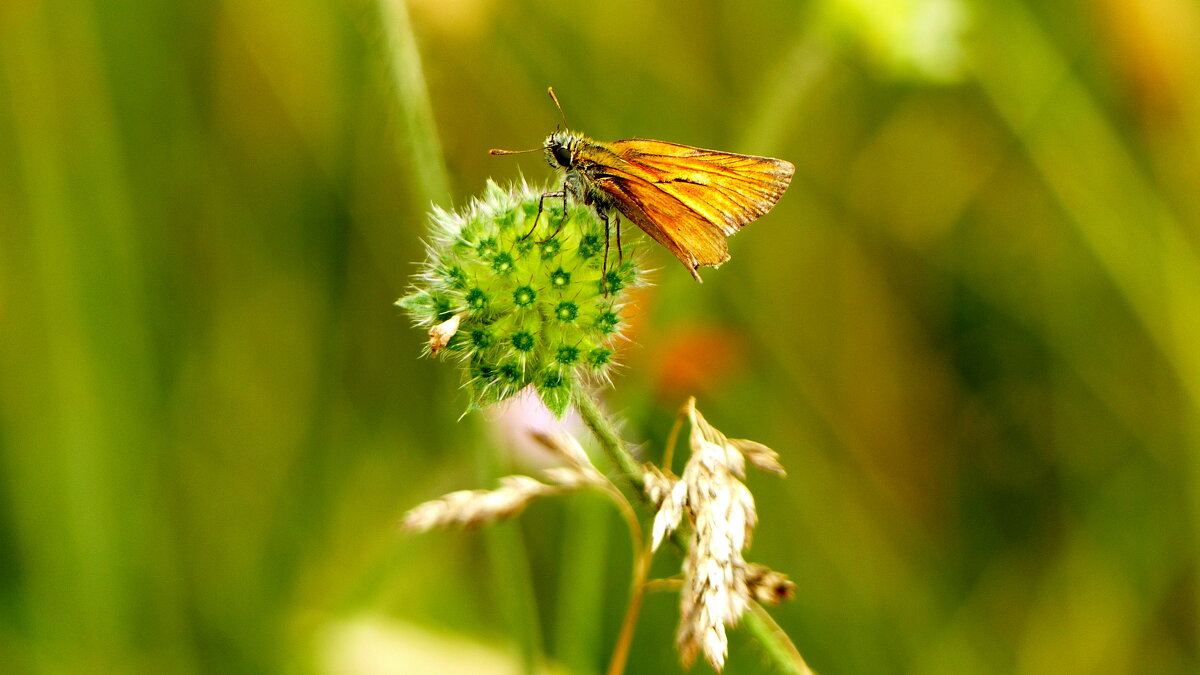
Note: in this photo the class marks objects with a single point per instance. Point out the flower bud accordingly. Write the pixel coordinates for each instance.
(519, 308)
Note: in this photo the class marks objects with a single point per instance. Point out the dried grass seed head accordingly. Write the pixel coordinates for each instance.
(472, 508)
(718, 582)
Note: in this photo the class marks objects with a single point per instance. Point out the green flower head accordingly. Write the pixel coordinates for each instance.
(519, 310)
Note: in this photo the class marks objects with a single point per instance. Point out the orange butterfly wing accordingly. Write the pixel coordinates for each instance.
(689, 199)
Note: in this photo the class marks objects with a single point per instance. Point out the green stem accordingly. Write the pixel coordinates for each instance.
(612, 445)
(776, 645)
(673, 436)
(779, 647)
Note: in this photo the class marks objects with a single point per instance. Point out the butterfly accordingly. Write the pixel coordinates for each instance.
(687, 199)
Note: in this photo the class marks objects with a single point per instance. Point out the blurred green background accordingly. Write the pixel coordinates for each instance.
(971, 328)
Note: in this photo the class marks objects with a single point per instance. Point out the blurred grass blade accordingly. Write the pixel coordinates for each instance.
(77, 383)
(408, 77)
(1138, 241)
(577, 629)
(512, 583)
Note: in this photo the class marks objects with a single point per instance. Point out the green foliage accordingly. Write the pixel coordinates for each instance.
(971, 325)
(529, 306)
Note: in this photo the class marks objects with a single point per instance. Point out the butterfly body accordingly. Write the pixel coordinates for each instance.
(582, 161)
(687, 199)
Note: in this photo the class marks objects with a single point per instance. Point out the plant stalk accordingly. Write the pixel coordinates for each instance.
(612, 445)
(641, 567)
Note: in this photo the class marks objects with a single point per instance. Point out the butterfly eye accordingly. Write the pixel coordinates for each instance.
(562, 155)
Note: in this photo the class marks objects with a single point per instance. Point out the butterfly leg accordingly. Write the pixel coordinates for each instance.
(604, 267)
(561, 222)
(541, 202)
(620, 253)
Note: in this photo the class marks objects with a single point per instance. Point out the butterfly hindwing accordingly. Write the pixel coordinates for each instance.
(686, 234)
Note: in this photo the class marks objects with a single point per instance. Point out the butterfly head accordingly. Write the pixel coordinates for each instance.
(560, 149)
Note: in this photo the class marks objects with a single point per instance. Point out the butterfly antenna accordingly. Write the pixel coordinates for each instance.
(559, 106)
(497, 151)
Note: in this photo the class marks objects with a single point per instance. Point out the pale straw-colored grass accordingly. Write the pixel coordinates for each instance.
(718, 583)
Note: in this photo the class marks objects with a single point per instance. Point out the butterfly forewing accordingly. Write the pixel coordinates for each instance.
(689, 199)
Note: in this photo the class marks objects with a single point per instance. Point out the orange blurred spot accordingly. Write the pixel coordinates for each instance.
(695, 359)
